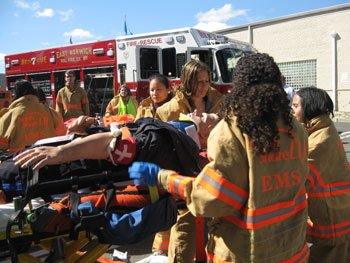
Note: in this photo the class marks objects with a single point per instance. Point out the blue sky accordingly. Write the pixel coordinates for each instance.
(27, 25)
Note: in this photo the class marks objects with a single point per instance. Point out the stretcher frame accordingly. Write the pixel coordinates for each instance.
(69, 250)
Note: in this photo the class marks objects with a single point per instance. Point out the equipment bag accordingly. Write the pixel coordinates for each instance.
(120, 229)
(122, 216)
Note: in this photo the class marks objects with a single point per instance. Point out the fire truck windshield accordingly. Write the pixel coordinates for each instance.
(227, 59)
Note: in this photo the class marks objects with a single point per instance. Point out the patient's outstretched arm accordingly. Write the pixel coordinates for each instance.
(90, 147)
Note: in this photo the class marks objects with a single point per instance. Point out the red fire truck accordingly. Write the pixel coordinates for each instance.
(101, 67)
(94, 65)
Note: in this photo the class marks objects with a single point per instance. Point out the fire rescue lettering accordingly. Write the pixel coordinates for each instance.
(33, 120)
(144, 42)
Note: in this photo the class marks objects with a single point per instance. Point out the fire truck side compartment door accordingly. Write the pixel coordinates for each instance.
(148, 62)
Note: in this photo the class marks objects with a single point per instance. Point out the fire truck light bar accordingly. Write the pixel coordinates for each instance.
(180, 38)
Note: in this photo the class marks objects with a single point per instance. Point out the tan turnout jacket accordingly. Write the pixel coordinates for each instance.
(171, 110)
(328, 186)
(146, 109)
(258, 202)
(27, 121)
(72, 104)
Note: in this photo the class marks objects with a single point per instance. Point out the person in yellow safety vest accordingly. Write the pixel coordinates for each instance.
(254, 185)
(194, 95)
(27, 120)
(328, 184)
(71, 100)
(160, 93)
(123, 103)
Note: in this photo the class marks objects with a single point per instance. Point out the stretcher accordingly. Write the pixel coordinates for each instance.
(60, 247)
(178, 151)
(66, 241)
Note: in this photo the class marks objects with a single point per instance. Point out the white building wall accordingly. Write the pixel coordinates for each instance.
(304, 37)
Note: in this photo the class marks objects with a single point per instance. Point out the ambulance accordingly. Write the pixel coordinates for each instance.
(140, 56)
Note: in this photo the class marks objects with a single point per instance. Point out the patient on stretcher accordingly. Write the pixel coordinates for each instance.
(145, 140)
(101, 145)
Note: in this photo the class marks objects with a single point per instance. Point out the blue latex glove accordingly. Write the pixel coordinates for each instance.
(144, 173)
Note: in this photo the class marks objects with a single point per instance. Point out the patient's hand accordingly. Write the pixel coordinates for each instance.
(80, 125)
(39, 157)
(205, 123)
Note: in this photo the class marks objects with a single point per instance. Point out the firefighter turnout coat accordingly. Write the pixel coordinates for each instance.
(328, 185)
(182, 246)
(27, 121)
(72, 103)
(146, 109)
(179, 104)
(257, 201)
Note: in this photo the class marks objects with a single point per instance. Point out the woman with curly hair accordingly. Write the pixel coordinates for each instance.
(328, 180)
(253, 186)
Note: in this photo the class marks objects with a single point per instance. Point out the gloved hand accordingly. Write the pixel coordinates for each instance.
(144, 173)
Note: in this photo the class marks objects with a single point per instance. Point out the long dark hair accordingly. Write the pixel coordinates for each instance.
(257, 99)
(22, 88)
(314, 102)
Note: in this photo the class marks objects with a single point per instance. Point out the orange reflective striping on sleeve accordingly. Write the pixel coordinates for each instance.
(61, 129)
(320, 189)
(258, 218)
(72, 106)
(160, 244)
(329, 231)
(222, 188)
(177, 185)
(300, 257)
(4, 141)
